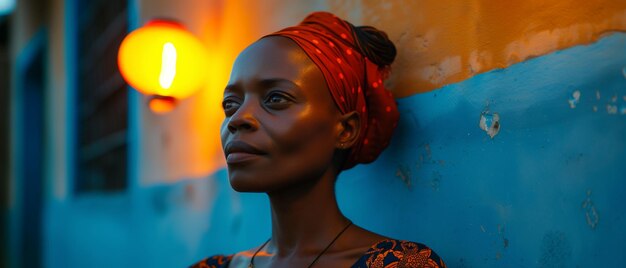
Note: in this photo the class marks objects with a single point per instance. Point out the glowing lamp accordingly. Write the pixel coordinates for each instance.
(164, 61)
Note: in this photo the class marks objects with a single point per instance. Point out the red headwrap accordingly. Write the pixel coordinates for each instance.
(355, 83)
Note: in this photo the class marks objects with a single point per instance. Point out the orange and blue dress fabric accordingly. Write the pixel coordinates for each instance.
(384, 254)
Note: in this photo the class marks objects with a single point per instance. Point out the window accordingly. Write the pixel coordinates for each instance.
(101, 97)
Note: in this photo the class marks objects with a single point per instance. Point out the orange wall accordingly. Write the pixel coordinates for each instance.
(446, 41)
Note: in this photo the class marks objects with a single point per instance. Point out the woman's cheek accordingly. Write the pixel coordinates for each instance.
(295, 133)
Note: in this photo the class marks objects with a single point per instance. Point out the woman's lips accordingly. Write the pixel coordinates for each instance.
(241, 157)
(238, 152)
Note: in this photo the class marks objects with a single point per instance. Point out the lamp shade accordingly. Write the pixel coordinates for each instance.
(163, 60)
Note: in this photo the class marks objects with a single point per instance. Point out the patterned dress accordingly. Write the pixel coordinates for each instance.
(384, 254)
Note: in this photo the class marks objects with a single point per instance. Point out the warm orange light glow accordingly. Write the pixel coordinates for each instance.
(163, 59)
(161, 104)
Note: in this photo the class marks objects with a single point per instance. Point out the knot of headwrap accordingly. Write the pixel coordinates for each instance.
(355, 82)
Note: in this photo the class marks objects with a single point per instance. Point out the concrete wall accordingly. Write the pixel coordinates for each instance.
(547, 189)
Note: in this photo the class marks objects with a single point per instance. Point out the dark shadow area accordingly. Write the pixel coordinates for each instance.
(32, 147)
(5, 82)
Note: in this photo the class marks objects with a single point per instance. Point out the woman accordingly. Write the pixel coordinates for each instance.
(302, 105)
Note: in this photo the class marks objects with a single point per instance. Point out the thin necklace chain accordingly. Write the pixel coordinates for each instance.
(251, 265)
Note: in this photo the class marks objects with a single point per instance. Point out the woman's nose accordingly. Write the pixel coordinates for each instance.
(244, 119)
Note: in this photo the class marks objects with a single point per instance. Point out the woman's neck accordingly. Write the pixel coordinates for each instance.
(306, 218)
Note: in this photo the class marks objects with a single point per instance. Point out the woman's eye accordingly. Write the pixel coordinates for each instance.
(229, 105)
(275, 98)
(277, 101)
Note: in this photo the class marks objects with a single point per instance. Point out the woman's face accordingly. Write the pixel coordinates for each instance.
(281, 124)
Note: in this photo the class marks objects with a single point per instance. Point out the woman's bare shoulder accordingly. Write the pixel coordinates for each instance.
(363, 238)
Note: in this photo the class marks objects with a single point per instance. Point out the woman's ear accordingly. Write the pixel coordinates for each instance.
(348, 130)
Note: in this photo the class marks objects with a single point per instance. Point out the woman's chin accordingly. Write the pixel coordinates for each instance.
(244, 184)
(244, 188)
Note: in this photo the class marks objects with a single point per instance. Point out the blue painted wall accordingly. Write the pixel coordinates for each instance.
(548, 190)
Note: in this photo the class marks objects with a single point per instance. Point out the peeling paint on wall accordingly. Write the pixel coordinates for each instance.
(613, 105)
(611, 109)
(437, 73)
(424, 172)
(591, 214)
(490, 123)
(505, 241)
(574, 99)
(404, 174)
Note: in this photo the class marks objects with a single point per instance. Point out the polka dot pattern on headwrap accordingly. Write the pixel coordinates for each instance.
(355, 82)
